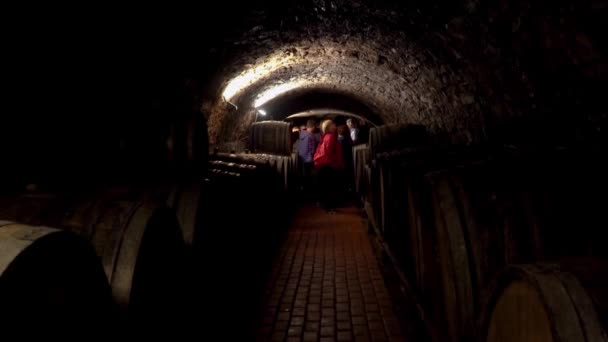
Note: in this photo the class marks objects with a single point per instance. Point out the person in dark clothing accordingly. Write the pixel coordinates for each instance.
(347, 177)
(329, 162)
(353, 130)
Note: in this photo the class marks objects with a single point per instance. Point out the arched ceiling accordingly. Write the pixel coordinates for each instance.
(350, 65)
(465, 67)
(356, 48)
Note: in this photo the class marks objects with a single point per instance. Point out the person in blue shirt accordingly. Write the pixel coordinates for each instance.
(307, 145)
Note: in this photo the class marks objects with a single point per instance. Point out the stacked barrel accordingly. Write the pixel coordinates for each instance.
(155, 242)
(471, 229)
(107, 252)
(137, 239)
(107, 257)
(247, 212)
(272, 137)
(51, 278)
(271, 143)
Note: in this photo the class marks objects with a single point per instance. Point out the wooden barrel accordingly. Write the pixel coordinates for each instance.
(138, 240)
(265, 162)
(475, 231)
(449, 291)
(375, 193)
(295, 169)
(391, 137)
(244, 223)
(279, 163)
(382, 141)
(247, 185)
(392, 167)
(496, 220)
(403, 205)
(271, 137)
(360, 160)
(52, 283)
(546, 303)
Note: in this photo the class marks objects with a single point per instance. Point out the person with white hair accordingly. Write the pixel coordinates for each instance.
(354, 130)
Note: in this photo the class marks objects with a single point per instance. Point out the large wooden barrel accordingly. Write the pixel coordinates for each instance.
(476, 229)
(51, 283)
(272, 137)
(447, 281)
(387, 138)
(374, 193)
(137, 238)
(548, 303)
(360, 160)
(392, 167)
(405, 198)
(496, 220)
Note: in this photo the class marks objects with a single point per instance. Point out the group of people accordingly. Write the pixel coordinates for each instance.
(326, 158)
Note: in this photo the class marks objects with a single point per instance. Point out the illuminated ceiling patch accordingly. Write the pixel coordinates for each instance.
(300, 66)
(255, 74)
(277, 91)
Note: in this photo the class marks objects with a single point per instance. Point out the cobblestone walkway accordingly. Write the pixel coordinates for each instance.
(326, 284)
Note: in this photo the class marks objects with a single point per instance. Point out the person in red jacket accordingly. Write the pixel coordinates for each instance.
(329, 162)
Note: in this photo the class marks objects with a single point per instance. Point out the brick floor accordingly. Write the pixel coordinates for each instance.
(326, 284)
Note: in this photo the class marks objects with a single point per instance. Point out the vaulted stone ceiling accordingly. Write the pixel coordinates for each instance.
(464, 69)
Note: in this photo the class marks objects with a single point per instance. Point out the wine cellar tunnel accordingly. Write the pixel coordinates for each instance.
(153, 183)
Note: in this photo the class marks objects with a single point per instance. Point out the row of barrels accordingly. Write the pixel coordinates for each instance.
(156, 244)
(285, 166)
(118, 255)
(459, 221)
(256, 211)
(155, 255)
(145, 256)
(250, 187)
